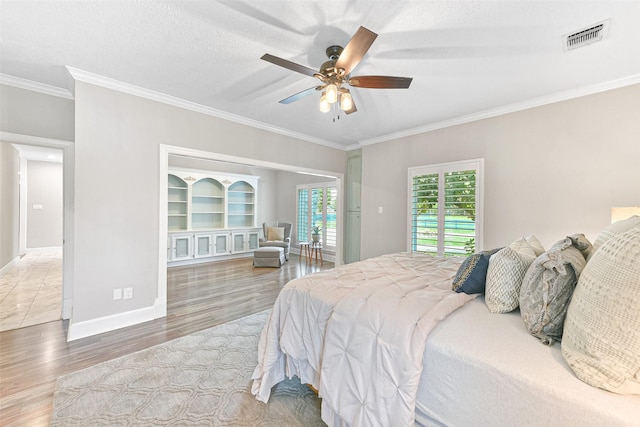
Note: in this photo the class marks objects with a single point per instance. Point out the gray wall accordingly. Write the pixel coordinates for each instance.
(31, 113)
(9, 204)
(117, 187)
(44, 188)
(549, 171)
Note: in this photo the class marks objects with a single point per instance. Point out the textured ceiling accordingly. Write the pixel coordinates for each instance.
(467, 58)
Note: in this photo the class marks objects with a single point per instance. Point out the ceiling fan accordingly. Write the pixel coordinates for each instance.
(337, 72)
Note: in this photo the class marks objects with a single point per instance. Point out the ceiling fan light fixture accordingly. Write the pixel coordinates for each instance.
(337, 71)
(346, 101)
(325, 106)
(331, 93)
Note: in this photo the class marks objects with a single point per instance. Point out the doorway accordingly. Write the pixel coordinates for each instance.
(160, 305)
(34, 197)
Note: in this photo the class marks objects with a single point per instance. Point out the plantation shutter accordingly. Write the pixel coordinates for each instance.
(444, 208)
(330, 220)
(424, 219)
(303, 215)
(317, 206)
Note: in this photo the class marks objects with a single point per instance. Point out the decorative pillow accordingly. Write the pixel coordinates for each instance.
(535, 244)
(613, 230)
(548, 285)
(601, 340)
(472, 274)
(275, 233)
(504, 276)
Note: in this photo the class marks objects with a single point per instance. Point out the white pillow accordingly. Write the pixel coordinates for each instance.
(506, 270)
(601, 337)
(275, 234)
(613, 230)
(535, 244)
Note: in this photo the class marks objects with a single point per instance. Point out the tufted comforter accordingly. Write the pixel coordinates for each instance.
(357, 334)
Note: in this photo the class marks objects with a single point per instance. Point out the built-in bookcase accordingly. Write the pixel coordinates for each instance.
(207, 204)
(178, 203)
(210, 214)
(241, 204)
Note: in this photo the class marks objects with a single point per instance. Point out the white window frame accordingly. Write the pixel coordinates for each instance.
(441, 168)
(310, 187)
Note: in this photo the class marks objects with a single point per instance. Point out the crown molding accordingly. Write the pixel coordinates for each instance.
(511, 108)
(21, 83)
(94, 79)
(18, 138)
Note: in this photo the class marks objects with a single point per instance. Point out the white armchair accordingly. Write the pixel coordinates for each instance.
(277, 234)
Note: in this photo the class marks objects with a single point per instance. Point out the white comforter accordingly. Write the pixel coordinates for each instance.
(357, 333)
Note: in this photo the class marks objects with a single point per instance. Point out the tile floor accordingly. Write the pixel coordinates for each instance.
(31, 291)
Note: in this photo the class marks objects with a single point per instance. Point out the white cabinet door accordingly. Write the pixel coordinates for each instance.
(237, 242)
(354, 179)
(352, 242)
(244, 241)
(221, 244)
(253, 237)
(181, 247)
(203, 245)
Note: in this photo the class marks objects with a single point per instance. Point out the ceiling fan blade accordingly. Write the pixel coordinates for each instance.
(302, 94)
(353, 108)
(354, 51)
(381, 82)
(289, 65)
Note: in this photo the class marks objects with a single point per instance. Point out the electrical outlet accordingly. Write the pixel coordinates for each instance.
(117, 293)
(128, 293)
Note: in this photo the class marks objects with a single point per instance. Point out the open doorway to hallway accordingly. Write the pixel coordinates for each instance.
(31, 284)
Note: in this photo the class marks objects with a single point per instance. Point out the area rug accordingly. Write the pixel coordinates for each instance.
(203, 379)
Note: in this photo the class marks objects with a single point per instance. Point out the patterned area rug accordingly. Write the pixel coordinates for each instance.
(202, 379)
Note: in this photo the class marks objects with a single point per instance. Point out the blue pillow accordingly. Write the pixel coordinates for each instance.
(472, 274)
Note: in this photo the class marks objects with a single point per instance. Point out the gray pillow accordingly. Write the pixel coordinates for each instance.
(548, 285)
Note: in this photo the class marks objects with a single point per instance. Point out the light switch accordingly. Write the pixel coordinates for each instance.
(380, 209)
(37, 207)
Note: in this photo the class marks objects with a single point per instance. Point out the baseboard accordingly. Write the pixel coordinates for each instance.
(8, 266)
(67, 304)
(43, 249)
(109, 323)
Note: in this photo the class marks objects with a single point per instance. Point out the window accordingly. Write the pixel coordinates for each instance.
(445, 208)
(317, 207)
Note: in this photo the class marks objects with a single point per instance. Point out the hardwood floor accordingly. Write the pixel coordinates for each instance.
(198, 297)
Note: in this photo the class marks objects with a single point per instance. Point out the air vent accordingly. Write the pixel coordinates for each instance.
(586, 36)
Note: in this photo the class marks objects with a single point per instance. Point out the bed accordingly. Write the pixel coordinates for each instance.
(386, 341)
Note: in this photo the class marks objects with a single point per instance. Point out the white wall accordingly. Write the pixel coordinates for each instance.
(549, 171)
(117, 168)
(9, 204)
(44, 204)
